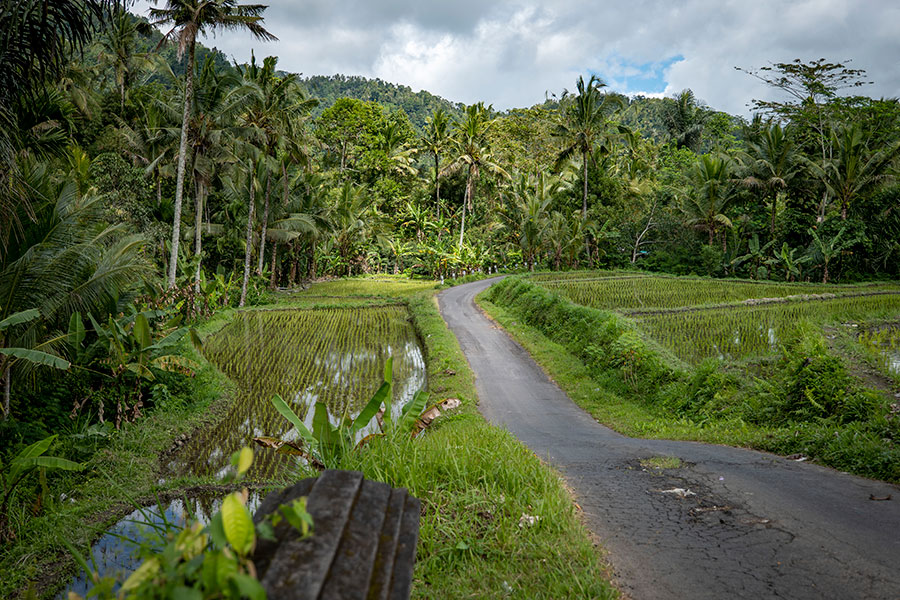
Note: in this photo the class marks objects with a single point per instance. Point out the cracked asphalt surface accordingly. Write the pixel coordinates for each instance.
(756, 526)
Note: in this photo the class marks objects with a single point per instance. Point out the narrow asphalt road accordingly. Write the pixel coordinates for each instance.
(754, 525)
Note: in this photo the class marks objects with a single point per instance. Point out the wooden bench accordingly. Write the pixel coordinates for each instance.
(363, 543)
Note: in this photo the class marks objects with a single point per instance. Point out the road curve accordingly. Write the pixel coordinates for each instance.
(756, 525)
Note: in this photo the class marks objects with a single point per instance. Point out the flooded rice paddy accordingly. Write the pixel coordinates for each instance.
(335, 356)
(884, 342)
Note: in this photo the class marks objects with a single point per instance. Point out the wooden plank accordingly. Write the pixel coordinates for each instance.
(404, 559)
(380, 585)
(299, 567)
(354, 561)
(266, 549)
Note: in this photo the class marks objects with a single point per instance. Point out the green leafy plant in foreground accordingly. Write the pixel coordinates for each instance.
(24, 463)
(326, 444)
(200, 562)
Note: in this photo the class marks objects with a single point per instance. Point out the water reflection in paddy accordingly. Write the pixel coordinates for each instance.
(335, 356)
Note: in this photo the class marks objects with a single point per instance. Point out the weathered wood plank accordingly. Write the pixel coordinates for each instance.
(355, 559)
(266, 549)
(404, 560)
(300, 566)
(380, 584)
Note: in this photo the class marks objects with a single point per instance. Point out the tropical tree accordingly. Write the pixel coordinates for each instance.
(118, 49)
(585, 122)
(854, 169)
(188, 19)
(772, 161)
(684, 120)
(436, 141)
(350, 217)
(711, 194)
(67, 260)
(828, 248)
(473, 153)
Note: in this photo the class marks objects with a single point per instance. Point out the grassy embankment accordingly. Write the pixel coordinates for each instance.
(476, 482)
(805, 401)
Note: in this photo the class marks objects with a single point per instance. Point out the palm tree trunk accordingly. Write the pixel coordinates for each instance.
(466, 201)
(249, 244)
(774, 206)
(312, 260)
(584, 175)
(272, 269)
(182, 154)
(437, 184)
(7, 377)
(198, 225)
(265, 224)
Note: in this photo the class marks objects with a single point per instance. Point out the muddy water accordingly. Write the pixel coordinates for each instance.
(335, 356)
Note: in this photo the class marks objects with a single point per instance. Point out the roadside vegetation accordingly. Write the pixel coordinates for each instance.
(763, 376)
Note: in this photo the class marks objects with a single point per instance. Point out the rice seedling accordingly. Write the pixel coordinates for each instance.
(884, 341)
(754, 331)
(333, 356)
(636, 292)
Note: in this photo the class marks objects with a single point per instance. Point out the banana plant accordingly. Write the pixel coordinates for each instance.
(132, 352)
(756, 254)
(24, 463)
(326, 443)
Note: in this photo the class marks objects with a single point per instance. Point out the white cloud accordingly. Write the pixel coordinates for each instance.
(510, 52)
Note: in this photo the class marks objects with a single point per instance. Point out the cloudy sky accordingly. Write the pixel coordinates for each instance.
(511, 52)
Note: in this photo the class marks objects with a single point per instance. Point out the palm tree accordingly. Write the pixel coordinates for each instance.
(118, 48)
(436, 141)
(67, 260)
(710, 195)
(473, 152)
(350, 219)
(773, 161)
(584, 123)
(684, 120)
(854, 168)
(190, 18)
(271, 105)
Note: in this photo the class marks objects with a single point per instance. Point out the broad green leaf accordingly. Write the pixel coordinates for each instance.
(412, 410)
(288, 413)
(248, 587)
(322, 429)
(145, 572)
(23, 316)
(238, 524)
(37, 357)
(371, 408)
(76, 330)
(141, 332)
(35, 449)
(48, 462)
(168, 341)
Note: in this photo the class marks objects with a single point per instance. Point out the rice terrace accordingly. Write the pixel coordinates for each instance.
(279, 311)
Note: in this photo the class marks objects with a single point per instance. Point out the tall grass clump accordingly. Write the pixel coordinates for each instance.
(609, 344)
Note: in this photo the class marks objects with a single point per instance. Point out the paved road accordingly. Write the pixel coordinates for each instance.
(758, 526)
